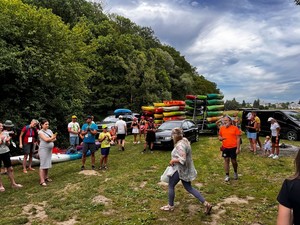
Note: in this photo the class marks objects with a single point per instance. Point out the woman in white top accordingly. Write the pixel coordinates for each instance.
(275, 138)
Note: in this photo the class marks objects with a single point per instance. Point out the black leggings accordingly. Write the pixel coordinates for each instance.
(187, 185)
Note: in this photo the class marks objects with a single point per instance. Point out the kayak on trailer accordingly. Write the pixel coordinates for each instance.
(215, 107)
(158, 110)
(174, 118)
(173, 108)
(211, 125)
(215, 102)
(118, 112)
(174, 102)
(215, 96)
(214, 119)
(192, 97)
(195, 102)
(148, 108)
(158, 116)
(174, 113)
(159, 104)
(214, 113)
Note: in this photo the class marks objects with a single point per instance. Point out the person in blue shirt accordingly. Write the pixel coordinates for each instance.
(88, 131)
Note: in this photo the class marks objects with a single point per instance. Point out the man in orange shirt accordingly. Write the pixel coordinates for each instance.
(230, 136)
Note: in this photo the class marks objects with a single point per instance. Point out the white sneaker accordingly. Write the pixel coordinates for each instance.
(227, 178)
(271, 156)
(275, 157)
(235, 176)
(139, 142)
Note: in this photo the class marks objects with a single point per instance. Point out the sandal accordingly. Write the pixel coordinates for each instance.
(43, 184)
(167, 208)
(17, 186)
(2, 189)
(48, 180)
(208, 208)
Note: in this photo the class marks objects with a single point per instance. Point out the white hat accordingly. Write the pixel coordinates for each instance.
(120, 117)
(270, 119)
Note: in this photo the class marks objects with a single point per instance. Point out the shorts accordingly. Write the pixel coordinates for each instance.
(105, 151)
(273, 139)
(121, 136)
(5, 158)
(88, 146)
(74, 141)
(229, 153)
(135, 130)
(251, 135)
(150, 137)
(28, 148)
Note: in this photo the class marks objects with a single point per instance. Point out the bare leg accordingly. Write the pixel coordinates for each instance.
(25, 162)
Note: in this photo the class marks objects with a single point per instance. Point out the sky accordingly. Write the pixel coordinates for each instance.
(249, 48)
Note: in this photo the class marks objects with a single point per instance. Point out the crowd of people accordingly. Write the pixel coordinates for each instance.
(37, 136)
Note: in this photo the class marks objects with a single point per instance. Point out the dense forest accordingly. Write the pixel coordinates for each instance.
(65, 57)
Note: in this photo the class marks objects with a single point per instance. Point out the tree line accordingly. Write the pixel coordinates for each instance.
(65, 57)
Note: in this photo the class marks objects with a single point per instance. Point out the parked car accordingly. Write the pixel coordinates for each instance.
(289, 121)
(163, 134)
(110, 121)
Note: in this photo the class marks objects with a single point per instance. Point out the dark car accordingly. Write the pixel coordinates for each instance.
(163, 134)
(289, 121)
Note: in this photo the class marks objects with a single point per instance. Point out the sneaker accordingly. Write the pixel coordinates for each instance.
(227, 178)
(138, 142)
(82, 168)
(275, 157)
(93, 167)
(100, 168)
(271, 156)
(123, 148)
(151, 151)
(105, 167)
(235, 176)
(143, 151)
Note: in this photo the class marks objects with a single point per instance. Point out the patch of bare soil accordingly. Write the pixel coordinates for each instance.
(35, 212)
(89, 173)
(68, 222)
(219, 209)
(102, 200)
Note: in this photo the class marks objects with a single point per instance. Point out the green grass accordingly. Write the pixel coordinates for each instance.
(134, 195)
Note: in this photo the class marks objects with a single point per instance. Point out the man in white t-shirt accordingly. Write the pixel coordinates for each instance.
(74, 131)
(121, 129)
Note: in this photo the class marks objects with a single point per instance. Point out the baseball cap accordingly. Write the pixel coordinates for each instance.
(104, 126)
(120, 117)
(74, 117)
(89, 117)
(270, 118)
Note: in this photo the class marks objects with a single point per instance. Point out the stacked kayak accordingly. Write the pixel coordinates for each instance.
(158, 113)
(174, 110)
(195, 104)
(214, 109)
(148, 111)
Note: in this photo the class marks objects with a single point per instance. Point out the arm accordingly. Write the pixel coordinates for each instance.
(46, 138)
(21, 139)
(285, 216)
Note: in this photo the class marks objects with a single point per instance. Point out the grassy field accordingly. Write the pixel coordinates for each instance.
(130, 192)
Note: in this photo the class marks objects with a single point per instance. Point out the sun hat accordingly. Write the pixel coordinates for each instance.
(74, 117)
(270, 119)
(104, 126)
(8, 123)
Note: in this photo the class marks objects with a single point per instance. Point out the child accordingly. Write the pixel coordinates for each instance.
(113, 135)
(104, 139)
(267, 146)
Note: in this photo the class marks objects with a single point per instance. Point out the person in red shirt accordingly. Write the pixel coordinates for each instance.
(28, 141)
(230, 136)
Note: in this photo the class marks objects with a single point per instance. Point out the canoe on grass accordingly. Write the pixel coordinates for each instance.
(215, 102)
(174, 118)
(175, 113)
(174, 102)
(56, 158)
(215, 96)
(215, 107)
(214, 113)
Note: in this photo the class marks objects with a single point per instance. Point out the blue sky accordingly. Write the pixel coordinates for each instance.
(249, 48)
